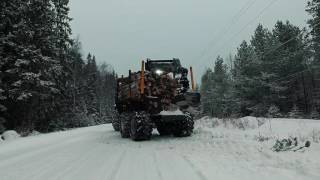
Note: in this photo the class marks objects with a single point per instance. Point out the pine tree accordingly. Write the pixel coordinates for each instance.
(313, 8)
(291, 56)
(259, 38)
(246, 78)
(257, 66)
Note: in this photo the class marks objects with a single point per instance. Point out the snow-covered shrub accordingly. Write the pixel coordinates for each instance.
(295, 112)
(206, 121)
(273, 112)
(286, 144)
(215, 122)
(10, 135)
(248, 122)
(241, 123)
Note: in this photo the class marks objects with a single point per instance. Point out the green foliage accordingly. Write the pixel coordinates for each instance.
(44, 82)
(2, 127)
(252, 86)
(273, 112)
(315, 114)
(313, 8)
(216, 90)
(295, 112)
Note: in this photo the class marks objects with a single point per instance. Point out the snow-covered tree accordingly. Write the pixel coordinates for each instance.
(313, 8)
(215, 90)
(26, 59)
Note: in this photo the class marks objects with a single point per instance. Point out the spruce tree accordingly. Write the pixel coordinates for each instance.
(91, 85)
(215, 88)
(206, 91)
(26, 50)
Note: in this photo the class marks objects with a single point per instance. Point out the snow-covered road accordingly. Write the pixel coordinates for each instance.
(99, 153)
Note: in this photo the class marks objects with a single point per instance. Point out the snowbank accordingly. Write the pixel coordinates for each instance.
(261, 129)
(242, 123)
(215, 152)
(34, 133)
(247, 122)
(10, 135)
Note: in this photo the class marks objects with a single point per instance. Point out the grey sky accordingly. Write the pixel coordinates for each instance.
(123, 32)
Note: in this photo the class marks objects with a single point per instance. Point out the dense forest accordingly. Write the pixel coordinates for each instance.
(45, 83)
(267, 73)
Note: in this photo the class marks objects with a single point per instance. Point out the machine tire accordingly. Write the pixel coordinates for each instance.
(116, 122)
(184, 128)
(141, 128)
(125, 124)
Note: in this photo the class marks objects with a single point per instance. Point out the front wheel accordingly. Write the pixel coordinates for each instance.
(184, 128)
(125, 125)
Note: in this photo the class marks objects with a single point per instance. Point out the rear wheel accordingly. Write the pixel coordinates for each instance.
(184, 128)
(125, 124)
(141, 128)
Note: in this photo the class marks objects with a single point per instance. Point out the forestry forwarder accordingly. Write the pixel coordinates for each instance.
(158, 96)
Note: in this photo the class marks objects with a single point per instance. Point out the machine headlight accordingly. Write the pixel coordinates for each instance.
(159, 71)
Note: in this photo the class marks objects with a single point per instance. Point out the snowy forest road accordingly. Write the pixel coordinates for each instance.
(99, 153)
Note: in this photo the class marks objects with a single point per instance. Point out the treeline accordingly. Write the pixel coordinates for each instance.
(45, 84)
(253, 83)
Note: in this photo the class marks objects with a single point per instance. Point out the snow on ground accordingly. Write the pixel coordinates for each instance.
(219, 149)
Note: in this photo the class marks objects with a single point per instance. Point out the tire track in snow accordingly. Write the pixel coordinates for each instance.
(72, 164)
(193, 166)
(154, 157)
(117, 166)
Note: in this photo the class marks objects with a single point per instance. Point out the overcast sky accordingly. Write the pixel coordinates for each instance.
(123, 32)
